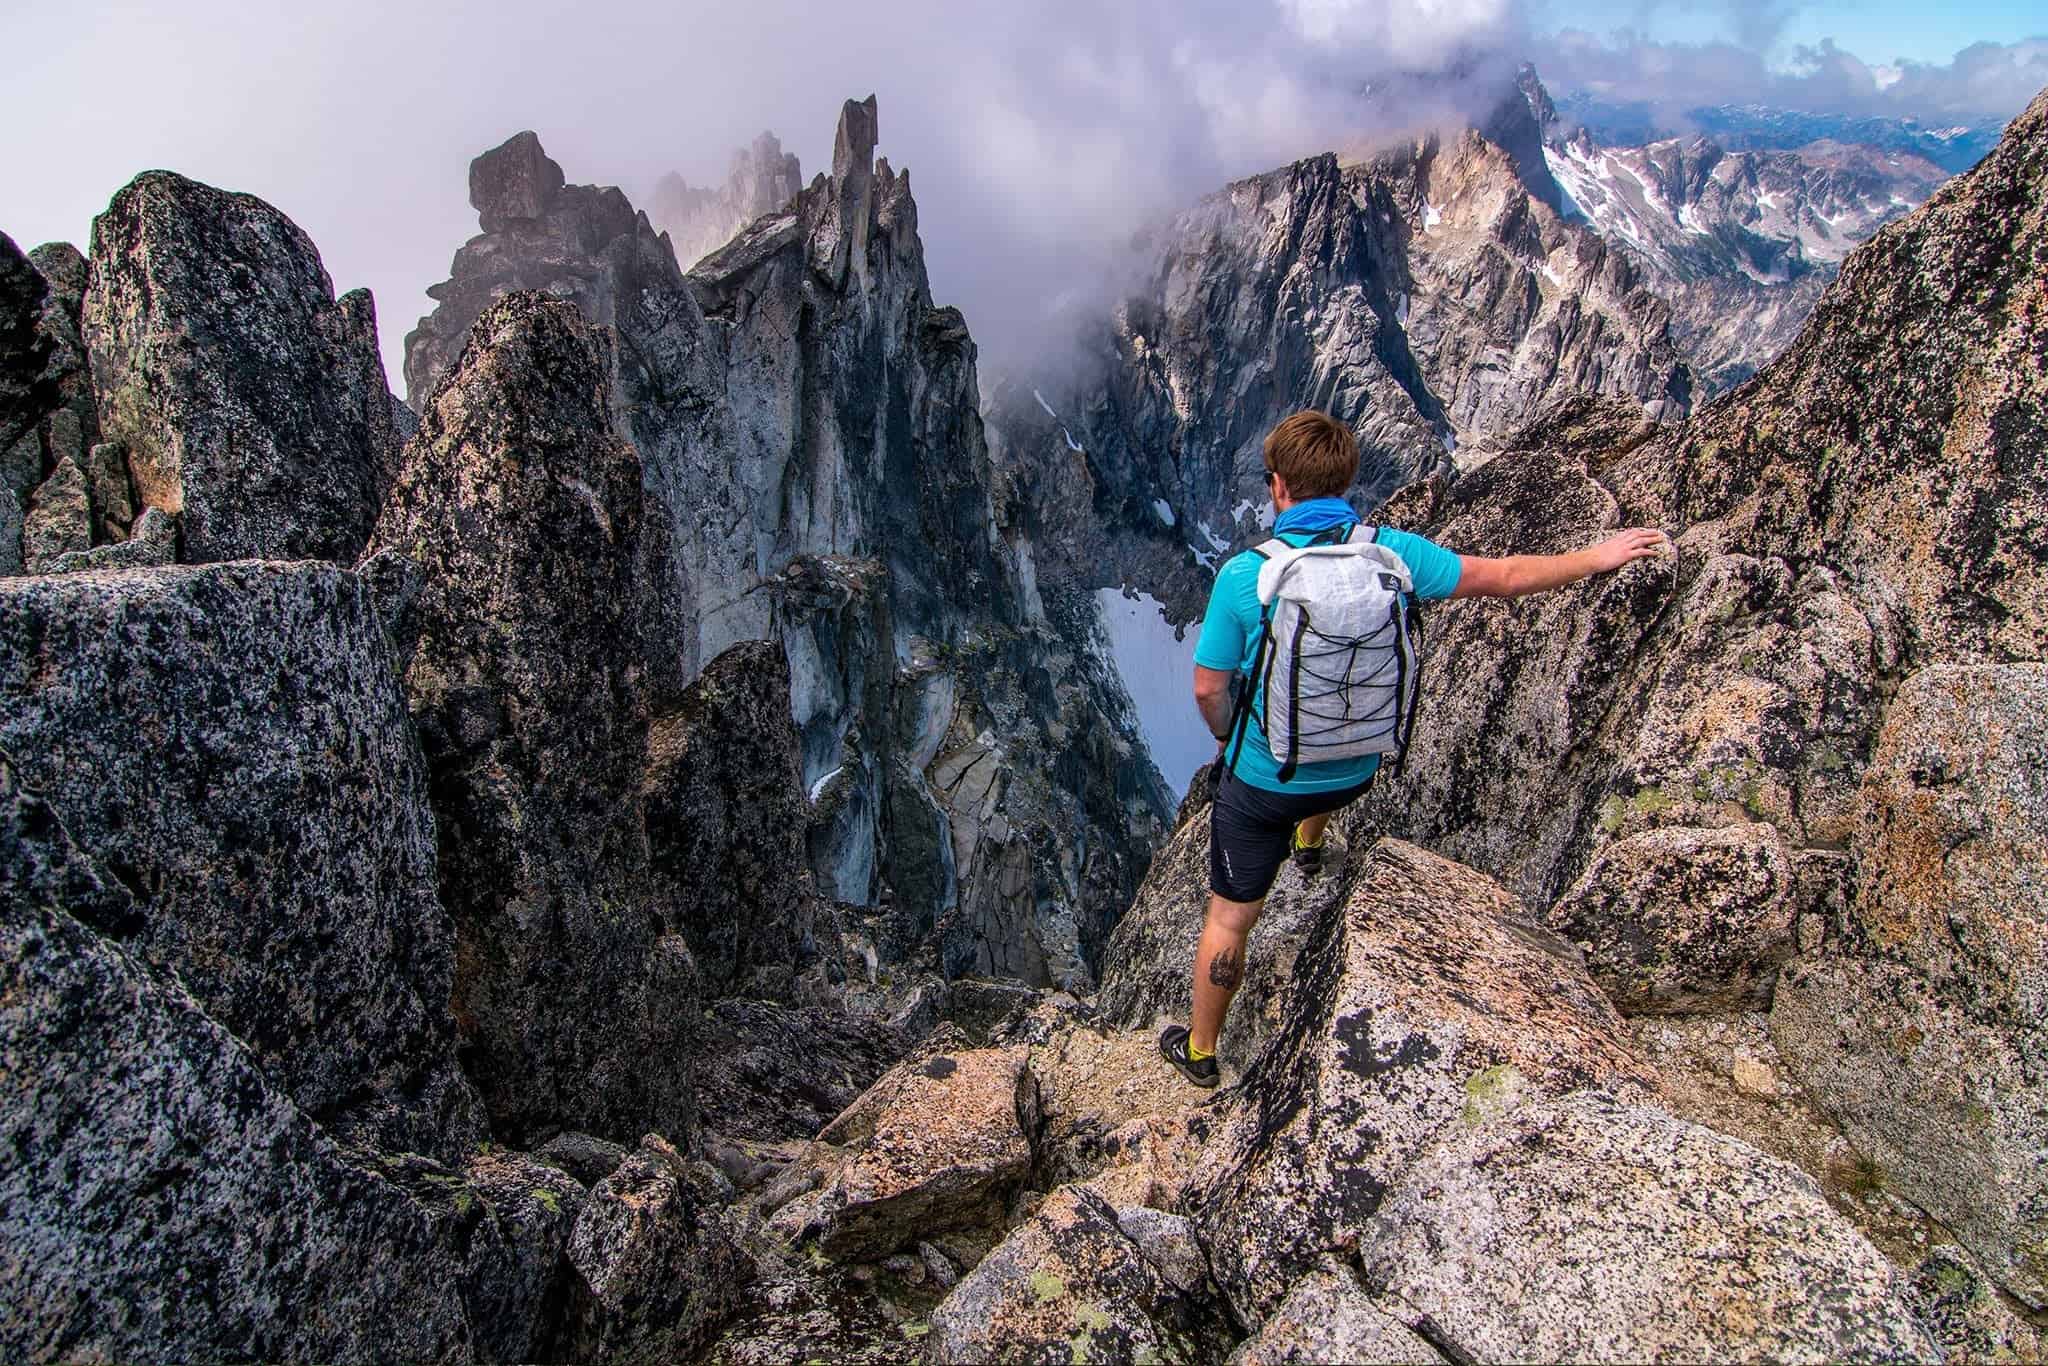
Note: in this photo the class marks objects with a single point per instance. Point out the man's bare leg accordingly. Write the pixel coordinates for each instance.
(1310, 831)
(1219, 967)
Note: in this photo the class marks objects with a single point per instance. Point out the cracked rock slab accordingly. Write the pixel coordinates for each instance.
(938, 1143)
(1082, 1280)
(1587, 1229)
(1426, 1000)
(1328, 1317)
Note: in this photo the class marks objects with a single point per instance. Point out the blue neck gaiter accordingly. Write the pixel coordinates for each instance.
(1316, 514)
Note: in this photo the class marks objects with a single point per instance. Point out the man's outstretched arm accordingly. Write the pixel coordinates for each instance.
(1513, 576)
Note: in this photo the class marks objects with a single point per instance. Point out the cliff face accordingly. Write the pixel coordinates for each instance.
(1423, 297)
(807, 421)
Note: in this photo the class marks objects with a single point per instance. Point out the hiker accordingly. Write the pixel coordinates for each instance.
(1349, 693)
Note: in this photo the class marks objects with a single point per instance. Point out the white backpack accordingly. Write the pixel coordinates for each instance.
(1336, 664)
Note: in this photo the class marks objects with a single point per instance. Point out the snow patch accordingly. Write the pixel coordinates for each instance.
(1430, 216)
(818, 788)
(1072, 444)
(1216, 543)
(1158, 672)
(1401, 309)
(1552, 275)
(1164, 509)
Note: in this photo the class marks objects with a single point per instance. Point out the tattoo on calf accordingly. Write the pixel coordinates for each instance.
(1226, 969)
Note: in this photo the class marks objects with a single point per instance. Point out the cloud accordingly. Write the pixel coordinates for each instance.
(1985, 81)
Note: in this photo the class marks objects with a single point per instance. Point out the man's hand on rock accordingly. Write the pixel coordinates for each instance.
(1633, 544)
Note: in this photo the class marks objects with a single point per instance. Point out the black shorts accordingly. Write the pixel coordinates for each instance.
(1251, 832)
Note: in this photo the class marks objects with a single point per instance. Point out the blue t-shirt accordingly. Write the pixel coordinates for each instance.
(1230, 634)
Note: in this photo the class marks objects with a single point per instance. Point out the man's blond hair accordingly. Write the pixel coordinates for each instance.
(1315, 453)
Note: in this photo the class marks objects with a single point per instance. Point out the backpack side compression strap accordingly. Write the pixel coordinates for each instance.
(1292, 761)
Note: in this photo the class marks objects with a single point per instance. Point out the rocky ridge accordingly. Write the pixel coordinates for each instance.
(404, 865)
(1736, 776)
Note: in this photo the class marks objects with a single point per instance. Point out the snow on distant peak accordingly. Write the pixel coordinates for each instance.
(1164, 509)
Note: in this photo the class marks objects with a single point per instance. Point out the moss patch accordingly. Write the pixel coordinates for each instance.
(1488, 1093)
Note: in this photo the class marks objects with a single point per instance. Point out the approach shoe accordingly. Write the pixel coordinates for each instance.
(1307, 857)
(1173, 1046)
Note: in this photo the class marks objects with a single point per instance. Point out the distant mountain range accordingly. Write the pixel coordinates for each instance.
(1755, 127)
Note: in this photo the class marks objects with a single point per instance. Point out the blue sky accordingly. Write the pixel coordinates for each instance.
(1877, 32)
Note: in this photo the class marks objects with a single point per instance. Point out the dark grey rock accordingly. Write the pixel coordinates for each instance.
(769, 1072)
(517, 1286)
(113, 493)
(983, 1007)
(155, 542)
(726, 817)
(521, 509)
(59, 519)
(21, 473)
(588, 1159)
(162, 1199)
(661, 1270)
(514, 181)
(25, 393)
(250, 401)
(231, 741)
(67, 371)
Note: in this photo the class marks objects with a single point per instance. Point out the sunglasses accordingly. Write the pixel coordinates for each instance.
(1270, 473)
